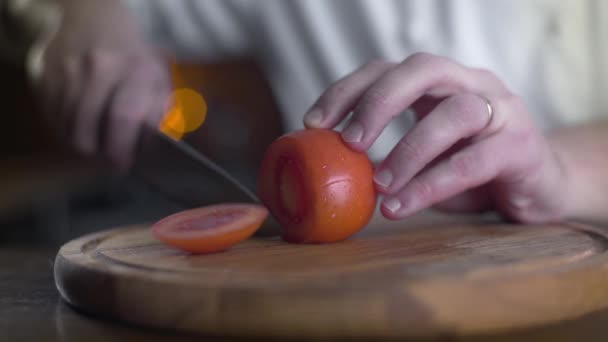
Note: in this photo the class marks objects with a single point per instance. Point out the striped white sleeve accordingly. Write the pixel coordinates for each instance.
(201, 29)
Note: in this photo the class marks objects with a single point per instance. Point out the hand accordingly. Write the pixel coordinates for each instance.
(474, 146)
(100, 81)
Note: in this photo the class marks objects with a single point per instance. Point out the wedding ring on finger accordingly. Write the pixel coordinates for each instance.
(489, 108)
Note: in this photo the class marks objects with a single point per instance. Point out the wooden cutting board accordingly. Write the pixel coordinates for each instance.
(427, 276)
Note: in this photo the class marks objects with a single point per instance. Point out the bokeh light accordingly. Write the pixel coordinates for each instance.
(187, 113)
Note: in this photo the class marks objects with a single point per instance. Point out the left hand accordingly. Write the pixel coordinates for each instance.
(473, 148)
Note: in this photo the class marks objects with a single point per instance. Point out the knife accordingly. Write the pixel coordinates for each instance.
(186, 176)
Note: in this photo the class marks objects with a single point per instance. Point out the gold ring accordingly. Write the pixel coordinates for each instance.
(490, 109)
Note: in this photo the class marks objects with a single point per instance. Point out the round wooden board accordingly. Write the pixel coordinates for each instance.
(399, 279)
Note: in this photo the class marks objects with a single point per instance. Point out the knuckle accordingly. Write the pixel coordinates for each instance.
(376, 97)
(439, 68)
(467, 110)
(409, 150)
(426, 60)
(421, 190)
(335, 91)
(420, 58)
(375, 63)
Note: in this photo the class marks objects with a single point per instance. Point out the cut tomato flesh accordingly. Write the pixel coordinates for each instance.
(210, 229)
(290, 191)
(212, 220)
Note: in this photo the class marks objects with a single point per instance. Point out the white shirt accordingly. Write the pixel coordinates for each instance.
(552, 53)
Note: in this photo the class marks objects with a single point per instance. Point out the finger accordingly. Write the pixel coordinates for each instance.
(395, 91)
(162, 86)
(456, 118)
(139, 99)
(340, 98)
(103, 74)
(474, 166)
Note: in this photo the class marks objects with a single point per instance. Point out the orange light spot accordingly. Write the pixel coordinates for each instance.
(173, 124)
(187, 114)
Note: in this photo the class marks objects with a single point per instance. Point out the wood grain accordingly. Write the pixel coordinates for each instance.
(428, 276)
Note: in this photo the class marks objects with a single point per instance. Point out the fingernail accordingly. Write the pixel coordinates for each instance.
(392, 205)
(384, 178)
(313, 118)
(353, 133)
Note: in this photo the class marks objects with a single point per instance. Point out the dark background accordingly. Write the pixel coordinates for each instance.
(49, 194)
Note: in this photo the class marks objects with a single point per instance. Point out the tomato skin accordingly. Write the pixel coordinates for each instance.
(210, 229)
(334, 192)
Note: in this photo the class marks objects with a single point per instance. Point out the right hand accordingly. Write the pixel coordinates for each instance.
(100, 81)
(473, 148)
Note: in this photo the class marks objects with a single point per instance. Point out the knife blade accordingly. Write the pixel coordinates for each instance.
(187, 177)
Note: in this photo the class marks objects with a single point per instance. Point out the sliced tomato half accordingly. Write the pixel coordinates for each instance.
(317, 188)
(210, 229)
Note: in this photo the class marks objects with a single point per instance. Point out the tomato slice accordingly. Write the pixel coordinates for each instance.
(210, 229)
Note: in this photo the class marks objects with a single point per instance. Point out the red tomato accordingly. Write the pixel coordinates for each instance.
(210, 229)
(317, 187)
